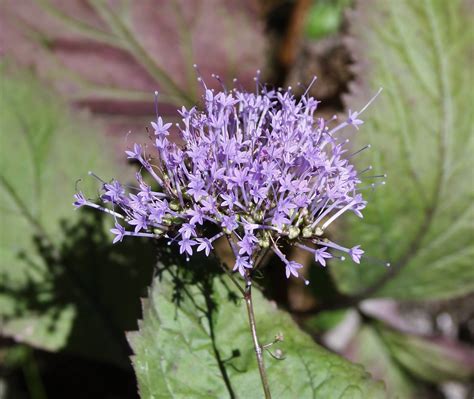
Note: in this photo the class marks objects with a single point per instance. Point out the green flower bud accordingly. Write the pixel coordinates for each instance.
(264, 242)
(167, 220)
(293, 232)
(258, 216)
(158, 232)
(174, 205)
(307, 232)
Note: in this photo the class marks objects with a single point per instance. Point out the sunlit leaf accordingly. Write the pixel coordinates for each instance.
(202, 348)
(420, 129)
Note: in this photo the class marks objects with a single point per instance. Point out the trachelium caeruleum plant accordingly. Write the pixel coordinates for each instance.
(258, 166)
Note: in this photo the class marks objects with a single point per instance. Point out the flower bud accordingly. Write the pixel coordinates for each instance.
(264, 242)
(167, 220)
(307, 232)
(174, 205)
(293, 233)
(158, 232)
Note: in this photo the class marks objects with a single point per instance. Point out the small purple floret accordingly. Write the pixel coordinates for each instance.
(119, 232)
(356, 253)
(320, 255)
(292, 267)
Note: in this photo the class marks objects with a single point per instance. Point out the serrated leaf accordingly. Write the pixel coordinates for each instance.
(421, 134)
(203, 349)
(62, 287)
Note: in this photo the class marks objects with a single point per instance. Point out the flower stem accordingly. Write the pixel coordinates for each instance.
(256, 344)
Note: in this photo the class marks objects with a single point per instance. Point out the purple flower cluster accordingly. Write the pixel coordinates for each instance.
(261, 167)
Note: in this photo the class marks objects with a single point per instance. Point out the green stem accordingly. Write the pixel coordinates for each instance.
(256, 344)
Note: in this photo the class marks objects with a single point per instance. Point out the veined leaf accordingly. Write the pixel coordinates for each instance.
(110, 56)
(61, 284)
(202, 348)
(421, 131)
(403, 359)
(430, 359)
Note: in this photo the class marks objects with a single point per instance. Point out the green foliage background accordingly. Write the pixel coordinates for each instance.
(65, 289)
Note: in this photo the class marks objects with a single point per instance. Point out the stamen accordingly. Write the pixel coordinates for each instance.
(90, 173)
(218, 78)
(309, 86)
(375, 176)
(324, 213)
(359, 151)
(149, 235)
(337, 214)
(370, 167)
(103, 209)
(373, 186)
(126, 137)
(199, 78)
(257, 81)
(156, 104)
(370, 101)
(375, 261)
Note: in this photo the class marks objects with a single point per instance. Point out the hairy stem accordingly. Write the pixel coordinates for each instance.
(256, 344)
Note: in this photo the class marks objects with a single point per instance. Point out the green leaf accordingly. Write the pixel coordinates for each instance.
(404, 361)
(324, 321)
(420, 129)
(433, 360)
(191, 350)
(369, 349)
(62, 286)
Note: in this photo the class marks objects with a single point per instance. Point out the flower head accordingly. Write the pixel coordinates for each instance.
(260, 167)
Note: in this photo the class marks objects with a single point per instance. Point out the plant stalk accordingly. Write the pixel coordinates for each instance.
(256, 344)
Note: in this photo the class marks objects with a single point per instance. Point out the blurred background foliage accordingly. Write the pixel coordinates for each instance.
(77, 76)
